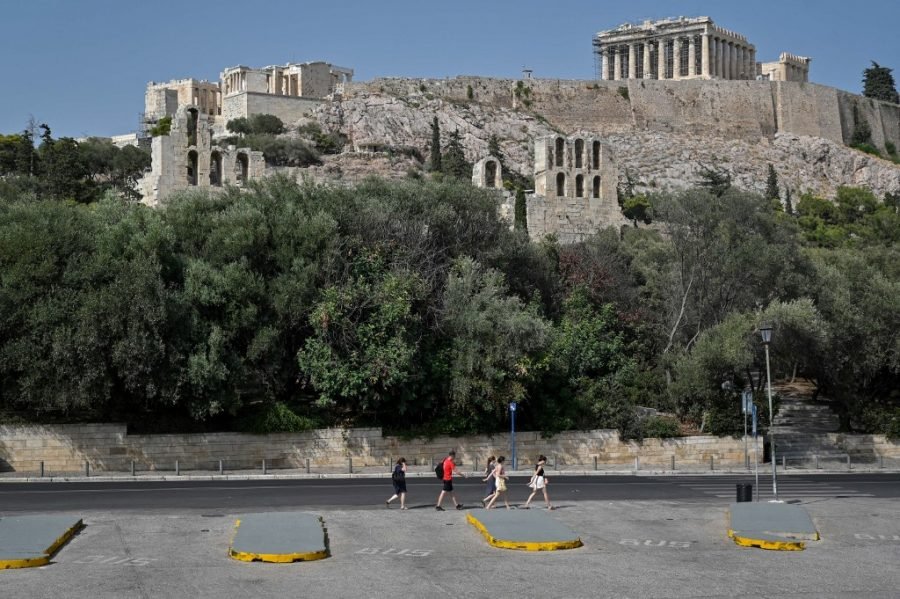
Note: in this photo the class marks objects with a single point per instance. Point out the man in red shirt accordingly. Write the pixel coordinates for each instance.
(449, 469)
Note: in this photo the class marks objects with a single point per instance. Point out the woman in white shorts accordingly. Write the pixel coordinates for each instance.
(538, 483)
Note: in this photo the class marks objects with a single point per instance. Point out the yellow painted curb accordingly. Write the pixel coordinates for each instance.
(43, 560)
(786, 545)
(273, 558)
(522, 546)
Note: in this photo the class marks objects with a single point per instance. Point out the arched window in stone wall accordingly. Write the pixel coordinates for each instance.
(560, 184)
(579, 152)
(192, 168)
(241, 169)
(192, 126)
(215, 169)
(595, 155)
(490, 173)
(579, 186)
(560, 150)
(595, 192)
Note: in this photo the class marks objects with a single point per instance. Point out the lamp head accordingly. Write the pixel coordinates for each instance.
(765, 331)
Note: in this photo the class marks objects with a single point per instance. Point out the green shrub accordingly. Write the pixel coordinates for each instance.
(162, 127)
(867, 148)
(890, 148)
(661, 427)
(470, 93)
(277, 418)
(623, 91)
(282, 152)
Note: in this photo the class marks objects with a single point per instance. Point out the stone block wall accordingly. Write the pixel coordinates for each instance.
(289, 109)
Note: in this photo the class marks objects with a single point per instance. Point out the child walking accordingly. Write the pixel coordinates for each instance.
(398, 478)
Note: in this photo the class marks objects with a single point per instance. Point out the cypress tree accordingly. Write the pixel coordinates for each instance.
(520, 221)
(788, 205)
(454, 159)
(772, 191)
(436, 165)
(878, 83)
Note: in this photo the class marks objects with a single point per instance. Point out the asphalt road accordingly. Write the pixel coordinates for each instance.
(366, 493)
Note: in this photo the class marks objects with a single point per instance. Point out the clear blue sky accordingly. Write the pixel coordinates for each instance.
(82, 65)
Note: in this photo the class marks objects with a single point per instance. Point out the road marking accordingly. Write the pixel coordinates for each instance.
(868, 537)
(392, 551)
(114, 560)
(655, 543)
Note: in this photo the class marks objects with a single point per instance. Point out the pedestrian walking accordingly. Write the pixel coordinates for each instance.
(501, 478)
(491, 487)
(398, 478)
(448, 468)
(538, 483)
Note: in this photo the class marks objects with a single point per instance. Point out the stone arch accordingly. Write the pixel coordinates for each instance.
(560, 150)
(241, 169)
(560, 184)
(579, 186)
(192, 168)
(192, 126)
(595, 155)
(490, 173)
(579, 153)
(215, 169)
(595, 191)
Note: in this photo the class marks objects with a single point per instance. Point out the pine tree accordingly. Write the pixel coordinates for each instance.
(788, 204)
(521, 215)
(772, 191)
(454, 159)
(878, 83)
(436, 165)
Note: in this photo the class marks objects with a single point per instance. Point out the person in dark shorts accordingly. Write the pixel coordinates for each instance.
(491, 487)
(447, 482)
(398, 478)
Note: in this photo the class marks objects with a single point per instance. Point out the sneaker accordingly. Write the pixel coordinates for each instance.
(439, 508)
(403, 507)
(387, 504)
(459, 506)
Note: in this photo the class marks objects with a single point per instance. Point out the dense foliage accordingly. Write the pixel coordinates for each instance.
(413, 306)
(878, 83)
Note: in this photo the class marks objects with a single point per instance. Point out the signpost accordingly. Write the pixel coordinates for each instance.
(512, 416)
(746, 407)
(755, 450)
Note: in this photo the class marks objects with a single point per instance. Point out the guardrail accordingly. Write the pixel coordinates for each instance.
(804, 457)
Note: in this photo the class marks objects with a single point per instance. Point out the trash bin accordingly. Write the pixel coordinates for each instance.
(744, 492)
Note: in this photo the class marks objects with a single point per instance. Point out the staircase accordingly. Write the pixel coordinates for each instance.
(805, 429)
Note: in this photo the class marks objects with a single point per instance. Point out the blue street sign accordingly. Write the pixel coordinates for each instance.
(754, 420)
(747, 403)
(512, 406)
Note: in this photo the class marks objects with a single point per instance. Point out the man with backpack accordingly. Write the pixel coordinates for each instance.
(444, 471)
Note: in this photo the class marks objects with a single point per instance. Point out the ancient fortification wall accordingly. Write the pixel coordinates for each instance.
(108, 447)
(727, 109)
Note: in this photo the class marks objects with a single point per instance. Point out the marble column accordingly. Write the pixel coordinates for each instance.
(718, 43)
(647, 73)
(632, 61)
(705, 51)
(604, 64)
(753, 63)
(692, 57)
(676, 58)
(734, 62)
(726, 59)
(617, 63)
(661, 59)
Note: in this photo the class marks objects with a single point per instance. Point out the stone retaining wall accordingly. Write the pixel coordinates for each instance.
(108, 447)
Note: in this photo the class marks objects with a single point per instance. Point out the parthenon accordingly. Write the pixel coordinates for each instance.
(682, 48)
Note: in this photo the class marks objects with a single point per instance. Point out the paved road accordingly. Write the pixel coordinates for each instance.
(230, 495)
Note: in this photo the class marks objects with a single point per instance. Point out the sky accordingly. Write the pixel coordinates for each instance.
(81, 66)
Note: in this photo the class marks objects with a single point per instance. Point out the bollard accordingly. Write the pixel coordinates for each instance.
(880, 464)
(177, 469)
(712, 463)
(673, 463)
(476, 463)
(816, 461)
(42, 468)
(350, 465)
(595, 462)
(132, 467)
(87, 468)
(784, 462)
(849, 467)
(307, 465)
(637, 463)
(264, 467)
(555, 463)
(432, 462)
(221, 467)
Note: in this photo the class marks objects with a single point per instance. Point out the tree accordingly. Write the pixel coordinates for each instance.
(266, 124)
(436, 156)
(454, 161)
(521, 212)
(878, 83)
(717, 181)
(494, 149)
(772, 191)
(239, 126)
(788, 202)
(638, 208)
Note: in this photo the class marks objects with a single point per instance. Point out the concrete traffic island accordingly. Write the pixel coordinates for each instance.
(279, 537)
(774, 526)
(531, 530)
(31, 541)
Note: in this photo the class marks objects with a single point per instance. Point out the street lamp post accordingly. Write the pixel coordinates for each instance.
(765, 331)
